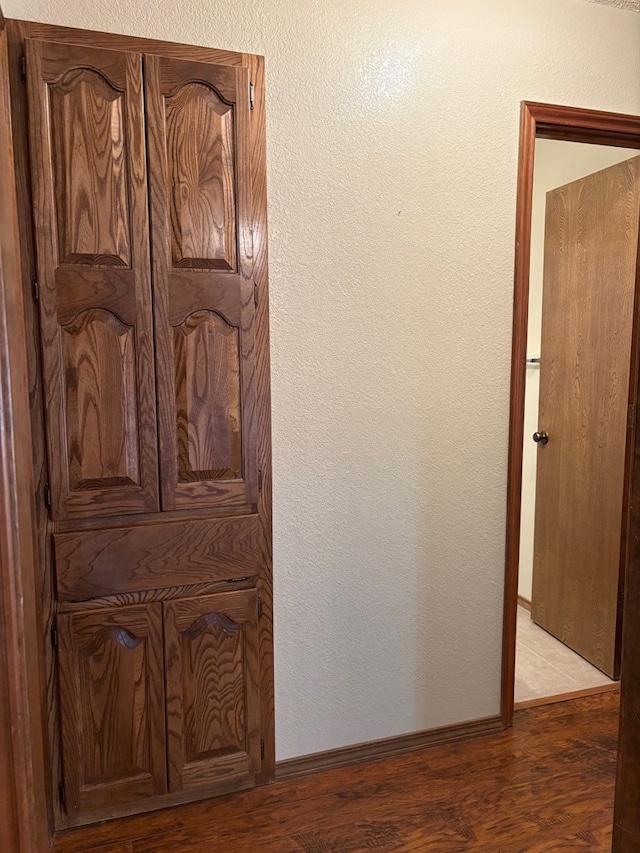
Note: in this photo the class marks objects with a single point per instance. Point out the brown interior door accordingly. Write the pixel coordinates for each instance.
(591, 245)
(202, 237)
(91, 226)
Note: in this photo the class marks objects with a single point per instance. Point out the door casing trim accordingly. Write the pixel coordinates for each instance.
(548, 121)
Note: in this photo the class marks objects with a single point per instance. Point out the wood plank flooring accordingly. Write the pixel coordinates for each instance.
(543, 787)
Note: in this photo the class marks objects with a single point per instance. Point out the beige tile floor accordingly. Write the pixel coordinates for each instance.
(546, 667)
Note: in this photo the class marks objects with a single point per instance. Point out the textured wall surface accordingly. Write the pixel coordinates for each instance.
(634, 5)
(392, 134)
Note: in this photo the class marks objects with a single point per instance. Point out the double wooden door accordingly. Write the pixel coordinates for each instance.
(114, 355)
(158, 699)
(147, 294)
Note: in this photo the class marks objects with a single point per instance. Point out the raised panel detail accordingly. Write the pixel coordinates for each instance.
(111, 685)
(212, 699)
(209, 430)
(200, 155)
(199, 126)
(91, 217)
(214, 694)
(89, 169)
(100, 397)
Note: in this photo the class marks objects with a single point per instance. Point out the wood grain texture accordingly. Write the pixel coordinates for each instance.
(83, 284)
(148, 596)
(125, 847)
(590, 262)
(90, 211)
(115, 41)
(89, 170)
(93, 345)
(23, 811)
(207, 392)
(200, 188)
(44, 578)
(112, 708)
(154, 556)
(545, 785)
(348, 756)
(522, 263)
(626, 833)
(213, 723)
(201, 168)
(613, 687)
(552, 122)
(263, 411)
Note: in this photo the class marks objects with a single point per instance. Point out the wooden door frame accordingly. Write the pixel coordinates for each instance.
(19, 513)
(548, 121)
(23, 810)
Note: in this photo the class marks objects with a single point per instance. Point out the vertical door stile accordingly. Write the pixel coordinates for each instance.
(199, 177)
(91, 225)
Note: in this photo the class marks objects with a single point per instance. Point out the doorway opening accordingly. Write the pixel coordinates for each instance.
(586, 161)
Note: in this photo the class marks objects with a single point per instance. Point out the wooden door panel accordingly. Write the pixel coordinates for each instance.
(155, 556)
(89, 170)
(590, 262)
(112, 704)
(90, 203)
(99, 367)
(207, 358)
(213, 731)
(199, 171)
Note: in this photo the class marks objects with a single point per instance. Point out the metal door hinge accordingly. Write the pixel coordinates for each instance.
(36, 291)
(631, 416)
(259, 479)
(259, 608)
(62, 794)
(23, 67)
(54, 634)
(261, 750)
(47, 495)
(255, 295)
(252, 96)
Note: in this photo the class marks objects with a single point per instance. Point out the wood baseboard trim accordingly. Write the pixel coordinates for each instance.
(522, 602)
(373, 750)
(565, 697)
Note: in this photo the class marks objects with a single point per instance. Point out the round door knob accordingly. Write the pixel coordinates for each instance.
(541, 437)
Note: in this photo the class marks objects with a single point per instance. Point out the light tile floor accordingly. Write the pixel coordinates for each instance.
(546, 667)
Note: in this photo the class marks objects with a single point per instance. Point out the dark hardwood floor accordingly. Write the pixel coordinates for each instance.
(545, 786)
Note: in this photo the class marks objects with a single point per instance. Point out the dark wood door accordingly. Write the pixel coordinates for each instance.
(213, 730)
(590, 263)
(91, 225)
(200, 186)
(112, 709)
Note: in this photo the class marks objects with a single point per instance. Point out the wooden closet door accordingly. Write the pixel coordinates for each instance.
(199, 172)
(112, 709)
(91, 226)
(211, 651)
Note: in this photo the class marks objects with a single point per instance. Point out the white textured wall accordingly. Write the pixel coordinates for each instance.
(392, 134)
(556, 163)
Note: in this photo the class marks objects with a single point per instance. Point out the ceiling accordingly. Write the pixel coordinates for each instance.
(633, 5)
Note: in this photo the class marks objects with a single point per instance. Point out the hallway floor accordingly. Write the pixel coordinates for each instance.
(542, 787)
(546, 667)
